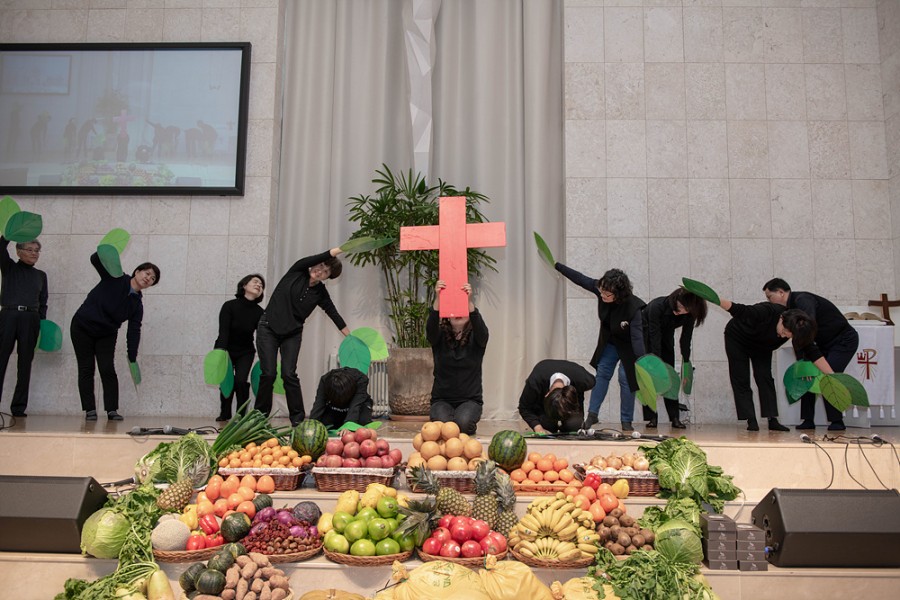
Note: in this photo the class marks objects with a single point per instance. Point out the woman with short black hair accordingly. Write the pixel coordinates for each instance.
(343, 397)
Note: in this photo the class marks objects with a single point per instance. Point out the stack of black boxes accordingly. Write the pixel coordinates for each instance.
(751, 548)
(729, 546)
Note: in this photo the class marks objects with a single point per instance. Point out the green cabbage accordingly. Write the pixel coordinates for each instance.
(103, 533)
(677, 542)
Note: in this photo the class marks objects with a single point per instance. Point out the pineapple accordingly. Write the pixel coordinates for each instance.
(188, 475)
(484, 506)
(506, 498)
(447, 500)
(421, 518)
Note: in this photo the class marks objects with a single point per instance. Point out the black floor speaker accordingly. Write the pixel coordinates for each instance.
(831, 528)
(45, 514)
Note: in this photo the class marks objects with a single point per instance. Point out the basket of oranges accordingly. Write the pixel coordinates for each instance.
(284, 465)
(543, 474)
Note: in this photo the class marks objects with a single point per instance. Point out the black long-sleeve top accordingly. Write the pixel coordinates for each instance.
(358, 411)
(22, 285)
(238, 319)
(532, 401)
(660, 323)
(294, 299)
(621, 324)
(755, 326)
(830, 321)
(112, 302)
(457, 369)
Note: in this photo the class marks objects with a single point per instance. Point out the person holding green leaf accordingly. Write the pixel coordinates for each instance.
(299, 292)
(238, 319)
(662, 316)
(343, 397)
(95, 326)
(23, 297)
(835, 338)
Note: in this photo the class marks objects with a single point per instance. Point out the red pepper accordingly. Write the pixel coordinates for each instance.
(208, 524)
(196, 542)
(214, 540)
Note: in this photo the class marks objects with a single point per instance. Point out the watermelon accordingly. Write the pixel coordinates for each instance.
(309, 437)
(508, 450)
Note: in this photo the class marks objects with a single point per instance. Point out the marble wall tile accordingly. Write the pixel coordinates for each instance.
(585, 91)
(666, 149)
(709, 208)
(888, 14)
(832, 208)
(250, 215)
(183, 3)
(259, 3)
(703, 34)
(627, 207)
(67, 25)
(57, 214)
(864, 97)
(860, 35)
(664, 90)
(876, 270)
(663, 35)
(582, 326)
(709, 343)
(713, 377)
(826, 98)
(623, 34)
(205, 398)
(137, 252)
(788, 149)
(890, 83)
(745, 91)
(144, 24)
(711, 264)
(748, 149)
(106, 25)
(829, 149)
(221, 3)
(707, 149)
(584, 34)
(263, 83)
(586, 148)
(92, 215)
(791, 208)
(782, 35)
(58, 4)
(670, 260)
(249, 254)
(836, 268)
(625, 91)
(743, 34)
(871, 209)
(750, 208)
(632, 255)
(752, 262)
(626, 149)
(868, 159)
(785, 92)
(589, 256)
(183, 24)
(132, 213)
(256, 27)
(170, 215)
(822, 39)
(169, 253)
(24, 25)
(892, 145)
(207, 263)
(667, 208)
(220, 24)
(58, 262)
(704, 90)
(209, 216)
(585, 207)
(260, 148)
(795, 261)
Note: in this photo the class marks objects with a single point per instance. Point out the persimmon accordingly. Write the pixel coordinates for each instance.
(245, 493)
(247, 508)
(608, 501)
(265, 485)
(249, 481)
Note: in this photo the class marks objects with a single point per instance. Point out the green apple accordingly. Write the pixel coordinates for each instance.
(392, 525)
(387, 546)
(378, 529)
(367, 514)
(356, 530)
(363, 548)
(406, 541)
(387, 507)
(340, 520)
(337, 543)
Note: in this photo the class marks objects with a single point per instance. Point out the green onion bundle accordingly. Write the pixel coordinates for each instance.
(242, 429)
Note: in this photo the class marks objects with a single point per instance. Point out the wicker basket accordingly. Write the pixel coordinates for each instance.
(290, 596)
(294, 556)
(185, 556)
(475, 562)
(343, 479)
(533, 489)
(546, 563)
(640, 483)
(286, 479)
(461, 481)
(366, 561)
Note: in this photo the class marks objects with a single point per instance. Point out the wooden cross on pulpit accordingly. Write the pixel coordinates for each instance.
(885, 305)
(451, 238)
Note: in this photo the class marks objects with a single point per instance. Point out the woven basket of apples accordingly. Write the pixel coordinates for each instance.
(355, 460)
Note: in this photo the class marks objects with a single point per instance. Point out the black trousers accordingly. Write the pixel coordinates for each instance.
(268, 344)
(740, 359)
(18, 330)
(241, 365)
(838, 354)
(88, 350)
(465, 413)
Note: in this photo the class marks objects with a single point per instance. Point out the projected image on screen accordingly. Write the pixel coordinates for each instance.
(125, 119)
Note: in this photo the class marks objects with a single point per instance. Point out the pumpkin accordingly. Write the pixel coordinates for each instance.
(190, 574)
(210, 582)
(221, 561)
(235, 526)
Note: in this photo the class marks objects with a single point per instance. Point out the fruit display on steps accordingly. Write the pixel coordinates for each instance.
(269, 454)
(441, 447)
(367, 524)
(448, 500)
(555, 528)
(359, 449)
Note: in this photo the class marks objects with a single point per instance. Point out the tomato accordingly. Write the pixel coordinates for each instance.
(196, 542)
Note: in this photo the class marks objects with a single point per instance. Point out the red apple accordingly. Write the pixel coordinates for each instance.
(445, 521)
(367, 448)
(471, 549)
(480, 529)
(351, 450)
(396, 455)
(387, 462)
(321, 461)
(352, 463)
(489, 545)
(382, 447)
(450, 549)
(461, 520)
(362, 434)
(461, 532)
(374, 462)
(334, 446)
(333, 461)
(347, 436)
(442, 534)
(498, 539)
(432, 546)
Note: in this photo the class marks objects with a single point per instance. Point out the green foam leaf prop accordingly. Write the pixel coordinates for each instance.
(365, 244)
(255, 374)
(8, 207)
(373, 340)
(646, 392)
(23, 227)
(700, 289)
(656, 369)
(50, 336)
(135, 373)
(687, 377)
(842, 391)
(799, 379)
(354, 353)
(216, 364)
(117, 238)
(227, 385)
(674, 383)
(544, 250)
(351, 426)
(109, 258)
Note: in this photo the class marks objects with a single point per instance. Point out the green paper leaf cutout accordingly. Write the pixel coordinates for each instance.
(215, 366)
(365, 244)
(373, 340)
(687, 376)
(8, 207)
(646, 394)
(227, 385)
(656, 369)
(842, 391)
(348, 426)
(544, 250)
(278, 386)
(23, 227)
(799, 379)
(135, 373)
(109, 258)
(117, 238)
(354, 353)
(674, 383)
(700, 289)
(256, 373)
(374, 425)
(50, 336)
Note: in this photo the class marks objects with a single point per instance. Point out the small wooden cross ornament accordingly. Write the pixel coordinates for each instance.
(885, 305)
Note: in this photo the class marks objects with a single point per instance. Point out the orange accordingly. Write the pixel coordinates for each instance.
(284, 460)
(265, 485)
(545, 464)
(247, 508)
(559, 464)
(551, 475)
(249, 481)
(535, 475)
(527, 466)
(550, 456)
(267, 459)
(518, 476)
(534, 457)
(234, 463)
(297, 461)
(224, 462)
(566, 475)
(571, 491)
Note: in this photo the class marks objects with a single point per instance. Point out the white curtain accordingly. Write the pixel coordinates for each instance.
(498, 123)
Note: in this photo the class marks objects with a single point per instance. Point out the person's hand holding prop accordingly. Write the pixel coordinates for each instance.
(687, 377)
(23, 226)
(135, 373)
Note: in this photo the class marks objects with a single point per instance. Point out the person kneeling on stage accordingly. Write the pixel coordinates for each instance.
(343, 397)
(553, 397)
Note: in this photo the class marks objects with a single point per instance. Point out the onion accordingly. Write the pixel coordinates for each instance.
(266, 514)
(298, 531)
(285, 517)
(258, 528)
(314, 531)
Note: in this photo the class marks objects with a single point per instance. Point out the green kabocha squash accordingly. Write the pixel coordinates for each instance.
(262, 501)
(235, 549)
(221, 561)
(210, 582)
(190, 575)
(235, 526)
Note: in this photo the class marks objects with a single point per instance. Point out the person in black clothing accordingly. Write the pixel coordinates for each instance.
(95, 326)
(237, 324)
(23, 297)
(553, 397)
(750, 338)
(457, 345)
(680, 309)
(621, 338)
(343, 397)
(298, 293)
(835, 338)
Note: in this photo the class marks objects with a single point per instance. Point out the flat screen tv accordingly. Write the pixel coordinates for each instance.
(139, 119)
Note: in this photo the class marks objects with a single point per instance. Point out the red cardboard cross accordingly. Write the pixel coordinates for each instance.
(451, 237)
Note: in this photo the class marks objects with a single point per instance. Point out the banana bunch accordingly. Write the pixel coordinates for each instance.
(554, 527)
(548, 547)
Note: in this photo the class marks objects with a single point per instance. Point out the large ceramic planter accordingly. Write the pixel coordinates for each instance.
(410, 377)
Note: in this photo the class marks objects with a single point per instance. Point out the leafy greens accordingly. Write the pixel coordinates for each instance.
(648, 575)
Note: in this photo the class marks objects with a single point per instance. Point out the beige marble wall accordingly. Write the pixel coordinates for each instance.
(731, 141)
(202, 245)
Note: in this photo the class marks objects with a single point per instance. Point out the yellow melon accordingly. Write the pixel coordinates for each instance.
(453, 448)
(472, 449)
(429, 449)
(437, 463)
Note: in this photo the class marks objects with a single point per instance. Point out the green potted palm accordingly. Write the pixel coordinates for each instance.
(406, 200)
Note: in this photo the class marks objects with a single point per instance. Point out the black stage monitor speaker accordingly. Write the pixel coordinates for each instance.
(45, 514)
(831, 528)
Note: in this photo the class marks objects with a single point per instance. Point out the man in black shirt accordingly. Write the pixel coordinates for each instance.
(835, 337)
(23, 297)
